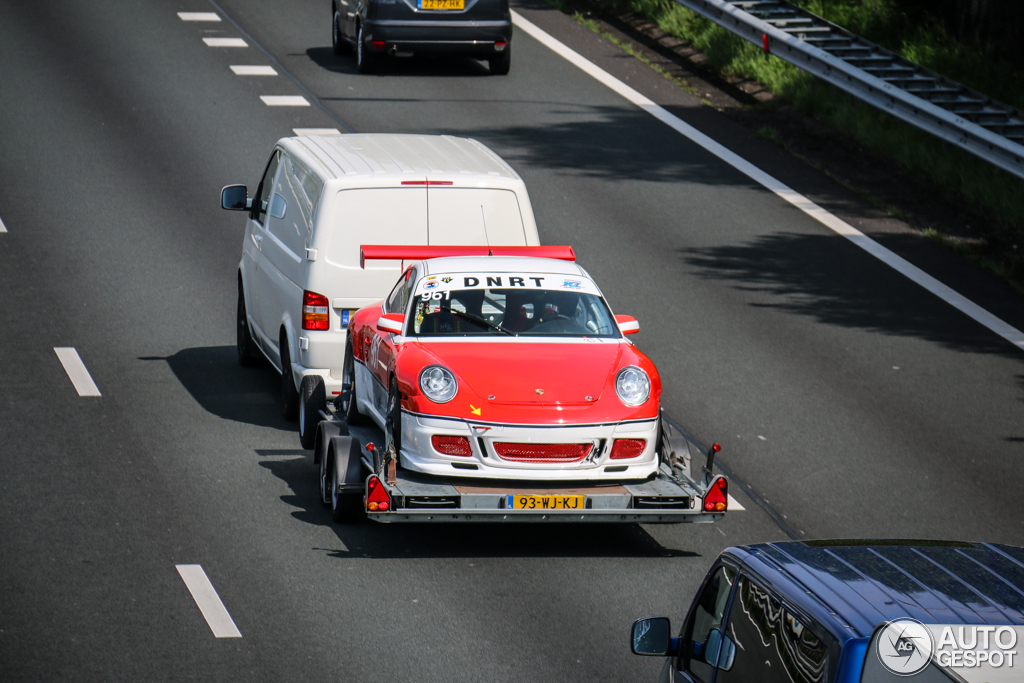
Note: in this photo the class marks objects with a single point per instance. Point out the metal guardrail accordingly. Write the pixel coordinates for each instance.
(975, 122)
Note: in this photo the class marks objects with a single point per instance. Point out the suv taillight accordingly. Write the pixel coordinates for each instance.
(717, 497)
(377, 498)
(315, 312)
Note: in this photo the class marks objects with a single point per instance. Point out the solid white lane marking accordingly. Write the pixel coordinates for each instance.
(284, 100)
(734, 504)
(225, 42)
(77, 373)
(199, 16)
(316, 131)
(254, 70)
(209, 603)
(961, 303)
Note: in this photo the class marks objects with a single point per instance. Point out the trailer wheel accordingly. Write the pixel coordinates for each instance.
(347, 405)
(312, 399)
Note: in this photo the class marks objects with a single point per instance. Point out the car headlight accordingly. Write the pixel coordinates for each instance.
(438, 383)
(632, 385)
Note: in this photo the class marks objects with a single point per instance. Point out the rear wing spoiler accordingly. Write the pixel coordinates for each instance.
(420, 252)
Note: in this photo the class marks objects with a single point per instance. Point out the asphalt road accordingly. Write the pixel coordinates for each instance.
(846, 396)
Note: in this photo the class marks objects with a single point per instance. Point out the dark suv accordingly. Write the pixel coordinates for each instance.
(375, 29)
(845, 612)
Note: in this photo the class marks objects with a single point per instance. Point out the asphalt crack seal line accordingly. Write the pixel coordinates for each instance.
(761, 502)
(834, 223)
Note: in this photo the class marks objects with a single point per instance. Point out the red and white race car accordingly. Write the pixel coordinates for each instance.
(502, 363)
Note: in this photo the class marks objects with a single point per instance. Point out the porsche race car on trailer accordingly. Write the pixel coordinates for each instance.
(506, 390)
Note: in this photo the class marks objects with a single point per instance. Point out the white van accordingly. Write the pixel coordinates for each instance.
(319, 199)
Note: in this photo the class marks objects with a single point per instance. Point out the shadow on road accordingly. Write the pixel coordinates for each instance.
(212, 375)
(374, 540)
(817, 276)
(434, 66)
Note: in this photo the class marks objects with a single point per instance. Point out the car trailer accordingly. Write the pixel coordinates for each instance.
(360, 480)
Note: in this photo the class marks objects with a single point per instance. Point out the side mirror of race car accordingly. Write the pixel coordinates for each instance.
(391, 322)
(627, 324)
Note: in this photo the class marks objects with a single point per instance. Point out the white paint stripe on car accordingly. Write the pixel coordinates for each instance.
(254, 70)
(199, 16)
(225, 42)
(284, 100)
(316, 131)
(209, 603)
(77, 372)
(834, 223)
(734, 504)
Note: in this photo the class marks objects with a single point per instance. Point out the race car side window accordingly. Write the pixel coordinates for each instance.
(706, 617)
(266, 189)
(766, 641)
(399, 297)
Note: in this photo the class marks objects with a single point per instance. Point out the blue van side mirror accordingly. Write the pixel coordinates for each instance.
(235, 198)
(652, 637)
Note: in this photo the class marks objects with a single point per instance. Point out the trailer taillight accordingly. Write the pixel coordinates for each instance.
(451, 445)
(627, 448)
(377, 497)
(315, 312)
(717, 497)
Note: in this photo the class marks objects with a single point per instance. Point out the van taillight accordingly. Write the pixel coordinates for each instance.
(315, 312)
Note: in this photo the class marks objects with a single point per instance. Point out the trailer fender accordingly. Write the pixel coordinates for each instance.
(324, 431)
(345, 455)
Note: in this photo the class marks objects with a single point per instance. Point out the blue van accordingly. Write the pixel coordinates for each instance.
(814, 611)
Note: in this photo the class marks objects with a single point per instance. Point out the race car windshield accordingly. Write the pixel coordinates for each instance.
(522, 312)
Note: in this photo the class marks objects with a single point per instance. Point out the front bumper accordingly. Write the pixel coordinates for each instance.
(419, 455)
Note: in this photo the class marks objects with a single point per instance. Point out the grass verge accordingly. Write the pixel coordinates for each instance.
(917, 37)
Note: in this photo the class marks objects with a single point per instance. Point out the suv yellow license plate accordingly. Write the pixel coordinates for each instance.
(442, 4)
(546, 502)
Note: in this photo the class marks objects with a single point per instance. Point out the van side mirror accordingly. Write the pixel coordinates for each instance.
(235, 198)
(391, 322)
(652, 637)
(627, 324)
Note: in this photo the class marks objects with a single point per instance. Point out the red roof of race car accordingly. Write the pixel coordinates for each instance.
(420, 252)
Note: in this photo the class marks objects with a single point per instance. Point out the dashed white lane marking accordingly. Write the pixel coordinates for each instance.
(316, 131)
(225, 42)
(77, 373)
(3, 228)
(734, 504)
(284, 100)
(199, 16)
(254, 70)
(209, 603)
(834, 223)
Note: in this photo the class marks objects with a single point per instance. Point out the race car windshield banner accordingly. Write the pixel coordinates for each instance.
(548, 281)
